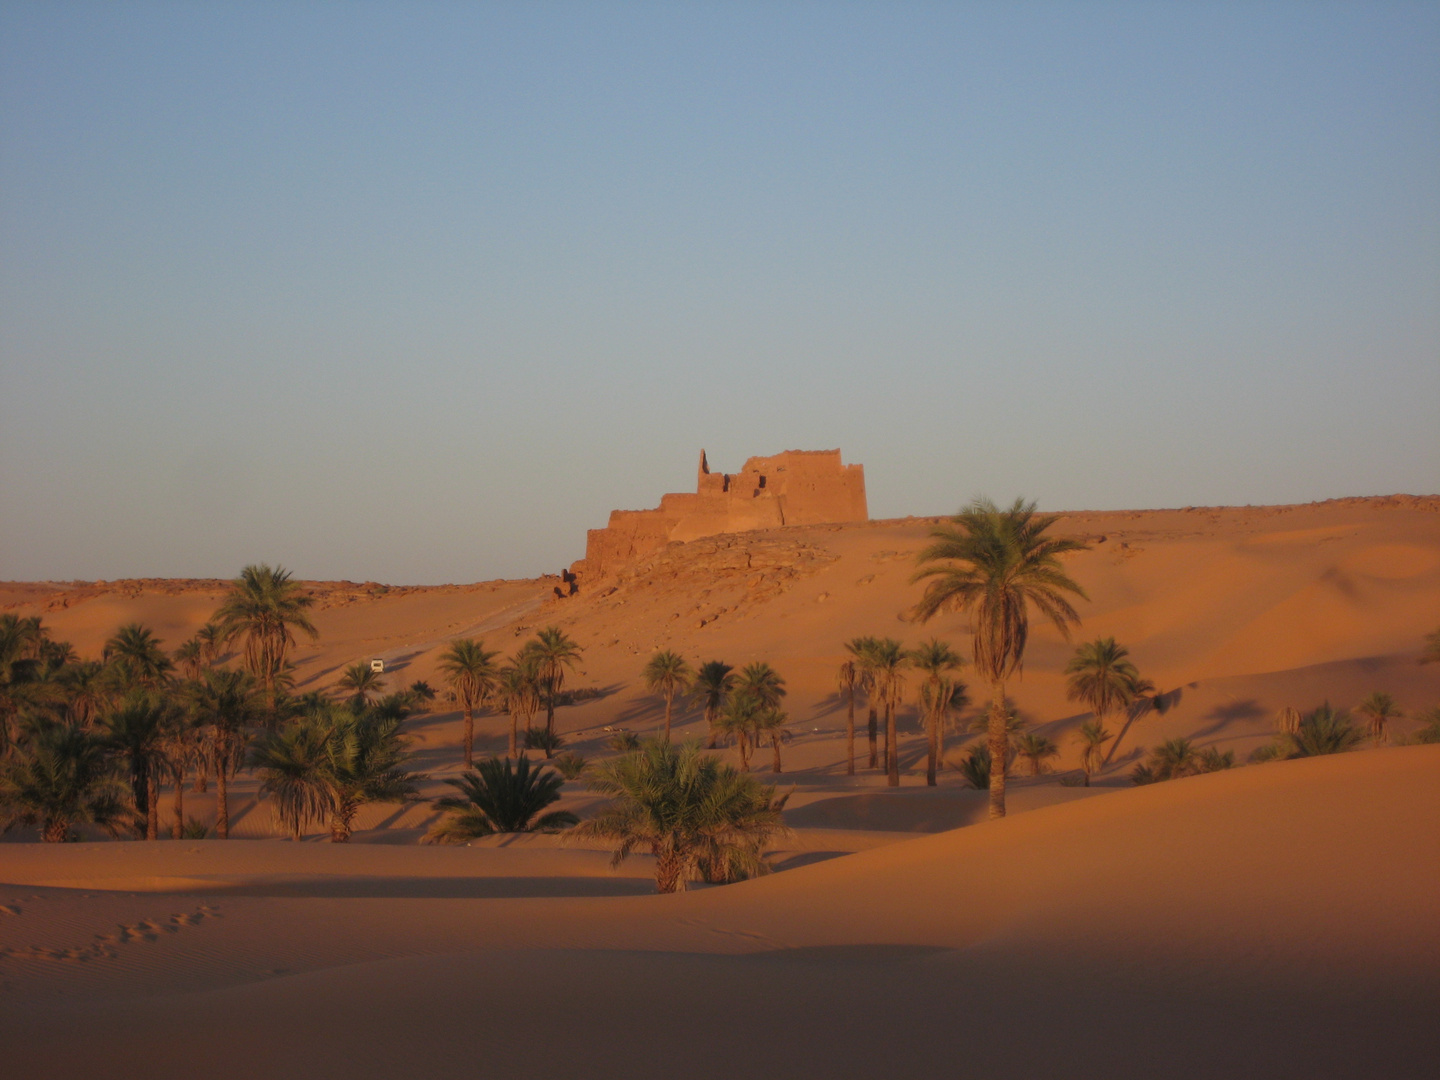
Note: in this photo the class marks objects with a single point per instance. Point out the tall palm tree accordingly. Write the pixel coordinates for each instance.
(1379, 708)
(698, 816)
(847, 678)
(472, 673)
(139, 651)
(138, 732)
(1092, 738)
(998, 564)
(362, 682)
(935, 659)
(182, 748)
(224, 703)
(520, 689)
(887, 660)
(1102, 677)
(863, 650)
(265, 607)
(555, 652)
(500, 796)
(211, 637)
(668, 674)
(62, 777)
(189, 656)
(713, 683)
(739, 719)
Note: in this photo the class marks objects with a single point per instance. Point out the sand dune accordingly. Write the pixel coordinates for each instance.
(1276, 920)
(1184, 929)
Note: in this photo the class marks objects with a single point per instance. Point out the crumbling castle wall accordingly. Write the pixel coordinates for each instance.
(798, 487)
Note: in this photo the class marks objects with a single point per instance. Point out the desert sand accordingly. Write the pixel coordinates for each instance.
(1273, 920)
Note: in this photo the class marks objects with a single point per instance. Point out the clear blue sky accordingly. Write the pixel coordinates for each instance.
(419, 292)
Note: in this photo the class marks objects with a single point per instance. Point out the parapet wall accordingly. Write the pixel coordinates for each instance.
(798, 487)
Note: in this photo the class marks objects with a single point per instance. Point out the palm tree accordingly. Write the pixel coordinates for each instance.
(1379, 708)
(266, 608)
(500, 797)
(224, 703)
(886, 660)
(137, 652)
(1104, 680)
(1431, 653)
(713, 683)
(937, 692)
(1287, 720)
(770, 723)
(181, 749)
(189, 656)
(762, 682)
(1171, 760)
(739, 719)
(367, 758)
(520, 690)
(471, 671)
(63, 776)
(1430, 731)
(211, 637)
(997, 564)
(138, 732)
(362, 682)
(847, 678)
(555, 652)
(1324, 731)
(1036, 749)
(1092, 738)
(863, 650)
(698, 816)
(293, 763)
(667, 674)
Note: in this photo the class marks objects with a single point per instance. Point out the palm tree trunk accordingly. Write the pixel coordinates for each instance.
(850, 737)
(469, 735)
(56, 832)
(339, 828)
(710, 720)
(222, 801)
(202, 777)
(874, 739)
(669, 698)
(152, 803)
(667, 870)
(177, 830)
(775, 743)
(514, 733)
(934, 756)
(999, 748)
(550, 712)
(892, 748)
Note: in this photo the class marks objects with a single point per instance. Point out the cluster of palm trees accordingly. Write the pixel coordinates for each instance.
(521, 686)
(93, 742)
(742, 707)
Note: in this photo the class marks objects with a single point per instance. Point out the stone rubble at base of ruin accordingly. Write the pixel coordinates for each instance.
(798, 487)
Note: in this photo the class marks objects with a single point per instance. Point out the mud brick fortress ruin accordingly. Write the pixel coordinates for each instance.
(798, 487)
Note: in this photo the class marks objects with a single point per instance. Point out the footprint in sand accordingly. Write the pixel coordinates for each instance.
(105, 945)
(7, 909)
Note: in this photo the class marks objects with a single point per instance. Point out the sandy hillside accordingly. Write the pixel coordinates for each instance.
(1271, 921)
(1274, 920)
(1235, 612)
